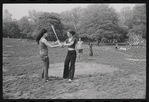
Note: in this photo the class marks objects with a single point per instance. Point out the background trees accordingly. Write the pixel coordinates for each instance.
(48, 19)
(10, 27)
(71, 19)
(138, 29)
(139, 21)
(96, 22)
(25, 28)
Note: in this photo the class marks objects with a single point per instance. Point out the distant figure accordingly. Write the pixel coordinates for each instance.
(79, 47)
(43, 43)
(90, 49)
(120, 48)
(116, 46)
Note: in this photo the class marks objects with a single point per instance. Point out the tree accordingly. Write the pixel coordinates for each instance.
(67, 20)
(71, 19)
(48, 19)
(25, 27)
(75, 15)
(122, 32)
(7, 16)
(34, 15)
(126, 16)
(98, 21)
(33, 19)
(139, 21)
(11, 29)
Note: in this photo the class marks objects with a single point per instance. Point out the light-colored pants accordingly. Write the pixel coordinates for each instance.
(45, 60)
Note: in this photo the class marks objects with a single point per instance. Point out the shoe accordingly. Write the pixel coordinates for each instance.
(69, 80)
(46, 80)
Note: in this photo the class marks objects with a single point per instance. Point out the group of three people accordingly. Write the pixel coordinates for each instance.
(70, 58)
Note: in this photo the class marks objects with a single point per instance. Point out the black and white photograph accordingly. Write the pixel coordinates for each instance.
(74, 50)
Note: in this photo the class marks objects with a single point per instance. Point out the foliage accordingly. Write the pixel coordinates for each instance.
(139, 21)
(11, 29)
(71, 19)
(25, 28)
(99, 21)
(96, 22)
(34, 15)
(6, 16)
(48, 19)
(126, 16)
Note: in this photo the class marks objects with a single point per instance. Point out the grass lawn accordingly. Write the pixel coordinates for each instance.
(22, 68)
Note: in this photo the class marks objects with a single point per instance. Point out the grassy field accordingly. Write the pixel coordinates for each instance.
(22, 68)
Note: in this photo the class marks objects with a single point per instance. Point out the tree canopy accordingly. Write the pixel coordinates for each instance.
(95, 22)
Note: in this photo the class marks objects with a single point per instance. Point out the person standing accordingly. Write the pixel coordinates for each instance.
(43, 43)
(90, 49)
(71, 56)
(116, 46)
(79, 47)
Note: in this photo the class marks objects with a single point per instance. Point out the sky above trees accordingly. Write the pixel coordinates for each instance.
(20, 10)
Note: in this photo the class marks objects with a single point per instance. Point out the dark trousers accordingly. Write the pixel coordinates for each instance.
(45, 60)
(69, 70)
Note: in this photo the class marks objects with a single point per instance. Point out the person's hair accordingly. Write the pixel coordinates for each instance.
(40, 34)
(71, 32)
